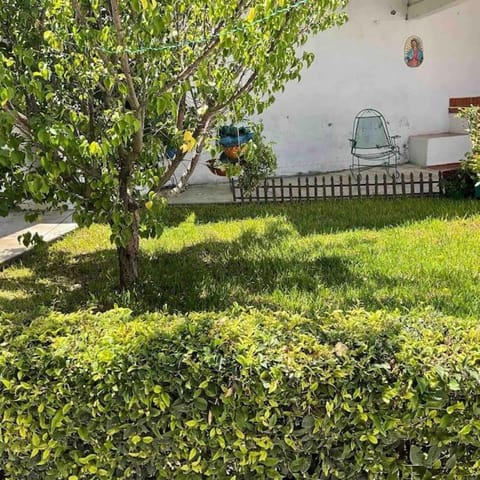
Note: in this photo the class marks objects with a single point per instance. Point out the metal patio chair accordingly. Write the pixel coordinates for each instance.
(372, 145)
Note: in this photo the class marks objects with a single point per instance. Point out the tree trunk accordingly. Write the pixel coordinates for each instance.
(128, 257)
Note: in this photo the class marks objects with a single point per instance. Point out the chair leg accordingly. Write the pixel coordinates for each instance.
(396, 156)
(355, 169)
(389, 164)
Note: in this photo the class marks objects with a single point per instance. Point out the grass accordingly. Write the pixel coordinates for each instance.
(303, 258)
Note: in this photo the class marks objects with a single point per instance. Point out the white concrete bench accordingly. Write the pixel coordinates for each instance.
(445, 148)
(439, 148)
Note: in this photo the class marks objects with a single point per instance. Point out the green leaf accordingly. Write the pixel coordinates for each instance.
(86, 460)
(45, 457)
(308, 422)
(417, 458)
(59, 70)
(6, 383)
(451, 462)
(84, 434)
(35, 440)
(201, 403)
(163, 103)
(56, 420)
(301, 464)
(94, 148)
(454, 385)
(465, 430)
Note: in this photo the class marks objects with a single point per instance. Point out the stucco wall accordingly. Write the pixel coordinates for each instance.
(361, 65)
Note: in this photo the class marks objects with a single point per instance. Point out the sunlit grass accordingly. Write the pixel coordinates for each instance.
(307, 258)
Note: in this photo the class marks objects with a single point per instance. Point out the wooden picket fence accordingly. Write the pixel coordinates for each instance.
(308, 187)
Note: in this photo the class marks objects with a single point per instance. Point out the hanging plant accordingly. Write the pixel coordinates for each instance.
(232, 153)
(224, 168)
(228, 164)
(259, 160)
(233, 142)
(245, 155)
(232, 136)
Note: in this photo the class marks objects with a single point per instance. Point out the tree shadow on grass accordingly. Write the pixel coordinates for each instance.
(333, 216)
(206, 280)
(252, 270)
(57, 281)
(207, 276)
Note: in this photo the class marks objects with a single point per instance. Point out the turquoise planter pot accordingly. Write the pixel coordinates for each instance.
(477, 190)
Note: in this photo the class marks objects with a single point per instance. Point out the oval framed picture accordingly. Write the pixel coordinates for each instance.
(414, 55)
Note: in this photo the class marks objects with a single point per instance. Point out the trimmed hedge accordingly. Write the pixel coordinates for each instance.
(240, 395)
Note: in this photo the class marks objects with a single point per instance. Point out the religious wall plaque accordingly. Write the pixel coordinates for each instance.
(414, 52)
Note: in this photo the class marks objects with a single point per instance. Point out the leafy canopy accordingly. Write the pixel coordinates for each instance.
(101, 101)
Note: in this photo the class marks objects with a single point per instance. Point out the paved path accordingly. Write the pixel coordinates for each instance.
(50, 226)
(202, 194)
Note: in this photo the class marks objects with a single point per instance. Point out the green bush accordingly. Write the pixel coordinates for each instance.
(240, 395)
(459, 183)
(472, 162)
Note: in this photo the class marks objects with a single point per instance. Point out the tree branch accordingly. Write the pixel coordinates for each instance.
(181, 111)
(22, 124)
(248, 85)
(21, 121)
(206, 53)
(78, 11)
(179, 156)
(194, 161)
(91, 120)
(192, 67)
(132, 94)
(200, 131)
(82, 22)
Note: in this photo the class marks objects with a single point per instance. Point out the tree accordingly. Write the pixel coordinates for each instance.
(102, 100)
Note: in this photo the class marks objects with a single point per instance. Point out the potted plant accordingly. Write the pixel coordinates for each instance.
(231, 139)
(245, 155)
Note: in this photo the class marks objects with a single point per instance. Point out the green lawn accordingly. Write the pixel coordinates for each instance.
(304, 258)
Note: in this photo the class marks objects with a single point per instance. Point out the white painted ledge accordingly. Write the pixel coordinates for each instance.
(439, 148)
(423, 8)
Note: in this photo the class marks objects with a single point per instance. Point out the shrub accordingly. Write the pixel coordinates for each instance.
(459, 183)
(472, 163)
(240, 395)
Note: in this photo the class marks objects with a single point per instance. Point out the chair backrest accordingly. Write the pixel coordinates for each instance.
(370, 130)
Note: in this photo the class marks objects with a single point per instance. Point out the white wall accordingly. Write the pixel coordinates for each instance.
(361, 65)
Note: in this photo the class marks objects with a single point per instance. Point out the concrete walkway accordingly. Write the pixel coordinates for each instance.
(50, 226)
(203, 194)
